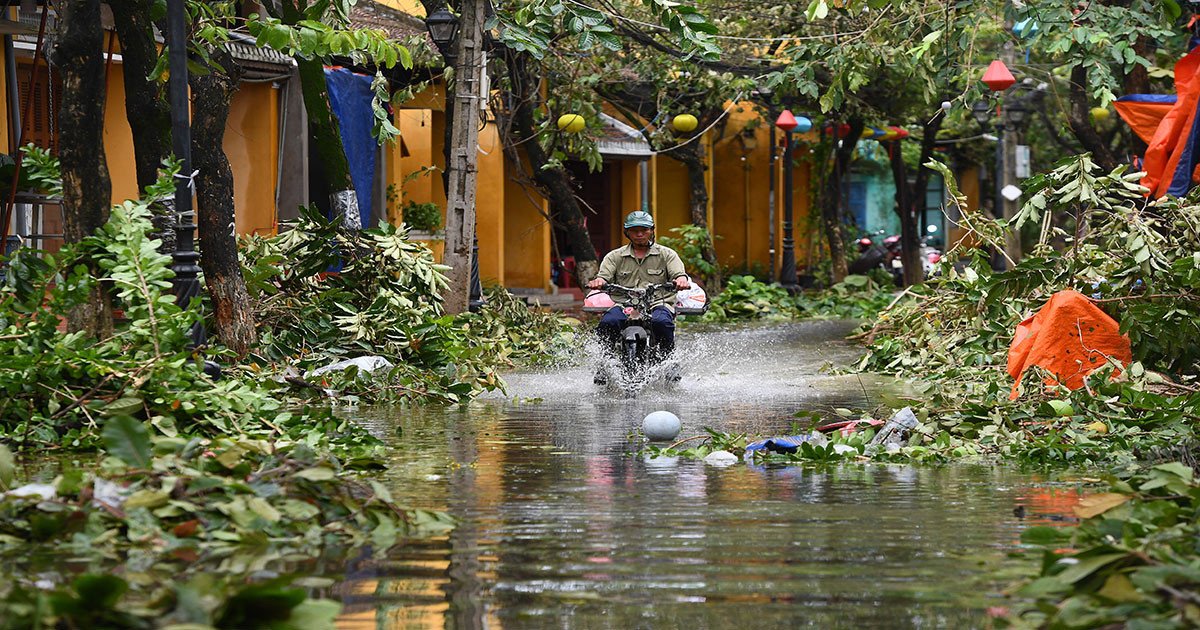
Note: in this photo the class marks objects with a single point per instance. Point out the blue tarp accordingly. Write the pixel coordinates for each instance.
(350, 97)
(788, 444)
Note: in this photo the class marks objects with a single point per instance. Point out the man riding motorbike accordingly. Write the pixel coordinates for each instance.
(641, 263)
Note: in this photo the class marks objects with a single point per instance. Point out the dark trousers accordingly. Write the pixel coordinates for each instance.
(662, 323)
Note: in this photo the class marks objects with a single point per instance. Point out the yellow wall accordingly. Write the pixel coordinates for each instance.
(489, 206)
(672, 203)
(118, 139)
(526, 234)
(416, 127)
(252, 145)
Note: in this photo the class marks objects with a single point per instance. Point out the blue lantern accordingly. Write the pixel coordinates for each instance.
(1025, 28)
(803, 124)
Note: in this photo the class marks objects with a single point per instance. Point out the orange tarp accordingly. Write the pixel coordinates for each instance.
(1143, 118)
(1069, 337)
(1170, 141)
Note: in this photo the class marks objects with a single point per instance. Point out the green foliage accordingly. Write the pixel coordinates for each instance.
(531, 27)
(1131, 562)
(61, 388)
(236, 504)
(747, 298)
(522, 334)
(856, 297)
(425, 217)
(384, 301)
(690, 243)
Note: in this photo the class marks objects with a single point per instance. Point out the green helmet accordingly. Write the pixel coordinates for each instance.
(639, 218)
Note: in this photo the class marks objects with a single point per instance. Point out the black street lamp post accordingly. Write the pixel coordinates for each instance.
(1010, 122)
(185, 258)
(787, 273)
(443, 29)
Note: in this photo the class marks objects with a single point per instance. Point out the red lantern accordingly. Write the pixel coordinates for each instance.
(786, 121)
(901, 132)
(997, 77)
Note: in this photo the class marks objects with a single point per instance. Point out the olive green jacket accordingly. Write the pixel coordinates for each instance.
(661, 264)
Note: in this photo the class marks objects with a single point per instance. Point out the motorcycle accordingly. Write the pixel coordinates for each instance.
(887, 256)
(637, 360)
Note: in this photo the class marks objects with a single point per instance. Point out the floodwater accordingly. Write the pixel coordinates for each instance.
(564, 525)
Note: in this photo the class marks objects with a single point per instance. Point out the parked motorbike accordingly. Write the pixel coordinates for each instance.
(886, 254)
(634, 359)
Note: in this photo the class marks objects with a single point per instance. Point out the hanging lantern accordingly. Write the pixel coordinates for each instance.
(803, 125)
(786, 121)
(901, 132)
(685, 123)
(1025, 28)
(1100, 114)
(571, 123)
(997, 77)
(889, 133)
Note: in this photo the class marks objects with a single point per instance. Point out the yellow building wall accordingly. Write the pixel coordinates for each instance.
(526, 234)
(672, 196)
(968, 185)
(416, 127)
(252, 144)
(118, 139)
(489, 206)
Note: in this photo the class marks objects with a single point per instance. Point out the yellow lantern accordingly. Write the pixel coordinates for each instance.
(1100, 114)
(571, 123)
(685, 123)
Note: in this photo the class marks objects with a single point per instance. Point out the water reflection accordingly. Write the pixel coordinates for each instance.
(562, 526)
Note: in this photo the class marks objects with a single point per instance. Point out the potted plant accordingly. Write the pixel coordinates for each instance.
(424, 220)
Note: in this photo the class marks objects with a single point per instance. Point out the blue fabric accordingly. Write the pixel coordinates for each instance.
(1147, 98)
(1181, 179)
(786, 444)
(350, 97)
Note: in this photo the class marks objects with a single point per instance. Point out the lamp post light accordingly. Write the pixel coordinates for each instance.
(443, 27)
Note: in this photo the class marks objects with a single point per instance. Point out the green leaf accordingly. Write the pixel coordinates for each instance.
(1176, 468)
(1045, 536)
(128, 440)
(7, 468)
(319, 473)
(1088, 566)
(314, 613)
(1061, 408)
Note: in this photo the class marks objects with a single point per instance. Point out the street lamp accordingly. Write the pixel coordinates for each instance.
(787, 274)
(443, 30)
(1010, 121)
(185, 257)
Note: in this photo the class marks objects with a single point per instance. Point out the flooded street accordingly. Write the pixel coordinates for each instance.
(562, 525)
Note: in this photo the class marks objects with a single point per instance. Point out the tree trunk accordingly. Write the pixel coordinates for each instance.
(553, 182)
(87, 190)
(1079, 116)
(211, 94)
(146, 106)
(910, 200)
(831, 203)
(323, 126)
(692, 156)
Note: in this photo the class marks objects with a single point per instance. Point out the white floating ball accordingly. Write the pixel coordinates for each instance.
(661, 426)
(946, 105)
